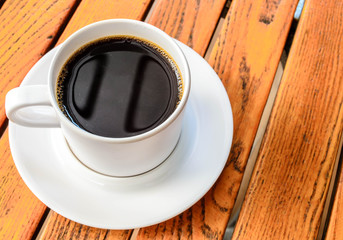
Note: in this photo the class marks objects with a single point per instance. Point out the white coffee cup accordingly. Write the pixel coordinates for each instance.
(119, 157)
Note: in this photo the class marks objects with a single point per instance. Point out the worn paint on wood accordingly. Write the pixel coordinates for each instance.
(58, 227)
(20, 210)
(93, 11)
(335, 227)
(191, 22)
(28, 28)
(289, 185)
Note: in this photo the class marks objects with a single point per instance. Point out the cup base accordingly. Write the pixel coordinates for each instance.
(117, 176)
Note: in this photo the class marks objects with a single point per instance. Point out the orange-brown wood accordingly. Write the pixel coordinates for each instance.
(245, 56)
(28, 28)
(20, 210)
(288, 188)
(59, 227)
(191, 22)
(335, 227)
(92, 11)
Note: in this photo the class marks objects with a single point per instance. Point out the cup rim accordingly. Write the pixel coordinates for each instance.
(186, 78)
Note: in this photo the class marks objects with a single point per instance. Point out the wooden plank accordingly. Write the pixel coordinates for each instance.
(191, 22)
(59, 227)
(93, 11)
(335, 227)
(87, 12)
(290, 181)
(20, 210)
(27, 30)
(245, 56)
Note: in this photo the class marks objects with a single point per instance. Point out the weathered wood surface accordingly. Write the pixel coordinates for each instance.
(93, 11)
(245, 56)
(335, 226)
(20, 210)
(58, 227)
(28, 29)
(288, 188)
(191, 22)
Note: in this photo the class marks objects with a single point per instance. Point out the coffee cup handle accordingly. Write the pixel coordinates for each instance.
(30, 106)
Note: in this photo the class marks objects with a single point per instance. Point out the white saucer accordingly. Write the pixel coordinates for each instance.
(66, 186)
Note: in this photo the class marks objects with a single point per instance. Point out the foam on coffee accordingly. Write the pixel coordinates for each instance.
(98, 76)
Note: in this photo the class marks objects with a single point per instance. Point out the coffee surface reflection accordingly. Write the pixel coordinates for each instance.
(119, 87)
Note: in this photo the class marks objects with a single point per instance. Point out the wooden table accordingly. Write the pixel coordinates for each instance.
(293, 142)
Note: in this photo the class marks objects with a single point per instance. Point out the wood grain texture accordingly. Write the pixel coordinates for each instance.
(245, 56)
(190, 21)
(90, 11)
(290, 181)
(58, 227)
(335, 227)
(20, 210)
(93, 11)
(27, 30)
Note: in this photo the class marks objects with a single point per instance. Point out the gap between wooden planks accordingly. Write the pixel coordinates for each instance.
(334, 230)
(289, 186)
(245, 56)
(28, 30)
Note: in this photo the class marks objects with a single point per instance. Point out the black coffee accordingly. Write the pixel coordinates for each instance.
(119, 86)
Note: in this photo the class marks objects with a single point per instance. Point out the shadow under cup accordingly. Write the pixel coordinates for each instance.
(128, 155)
